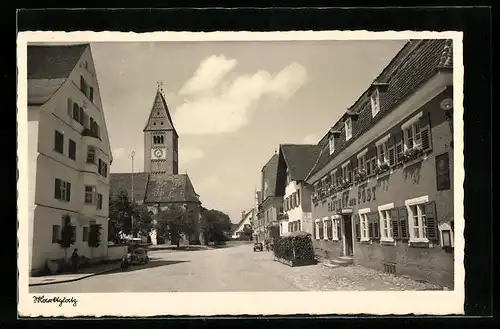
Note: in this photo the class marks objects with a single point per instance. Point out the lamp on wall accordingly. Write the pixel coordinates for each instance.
(447, 106)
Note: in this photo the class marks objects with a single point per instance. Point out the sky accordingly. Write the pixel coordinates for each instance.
(232, 102)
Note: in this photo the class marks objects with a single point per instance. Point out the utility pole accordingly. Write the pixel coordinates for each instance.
(132, 154)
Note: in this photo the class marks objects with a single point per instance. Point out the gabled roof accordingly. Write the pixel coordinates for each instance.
(53, 62)
(299, 159)
(416, 63)
(160, 105)
(170, 188)
(48, 68)
(123, 181)
(247, 217)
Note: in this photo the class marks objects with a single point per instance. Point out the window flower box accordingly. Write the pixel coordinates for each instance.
(412, 153)
(345, 183)
(360, 175)
(382, 168)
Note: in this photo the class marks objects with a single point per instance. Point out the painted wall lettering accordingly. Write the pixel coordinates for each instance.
(366, 194)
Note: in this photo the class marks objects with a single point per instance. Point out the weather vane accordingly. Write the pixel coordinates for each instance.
(160, 85)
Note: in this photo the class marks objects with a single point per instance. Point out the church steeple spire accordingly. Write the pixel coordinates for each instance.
(160, 138)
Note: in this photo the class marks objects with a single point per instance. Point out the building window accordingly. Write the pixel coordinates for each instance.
(375, 102)
(158, 139)
(412, 136)
(348, 129)
(382, 153)
(321, 230)
(91, 94)
(85, 234)
(72, 149)
(331, 144)
(102, 168)
(335, 231)
(417, 219)
(56, 229)
(363, 219)
(362, 162)
(62, 190)
(76, 113)
(91, 154)
(317, 229)
(89, 194)
(386, 224)
(329, 232)
(59, 142)
(298, 197)
(83, 85)
(99, 201)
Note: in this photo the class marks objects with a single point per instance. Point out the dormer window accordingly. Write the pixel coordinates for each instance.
(375, 101)
(333, 134)
(348, 129)
(331, 144)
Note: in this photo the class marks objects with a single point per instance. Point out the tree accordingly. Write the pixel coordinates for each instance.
(94, 240)
(247, 232)
(216, 224)
(170, 224)
(127, 217)
(68, 235)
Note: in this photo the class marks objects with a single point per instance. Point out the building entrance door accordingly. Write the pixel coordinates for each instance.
(348, 244)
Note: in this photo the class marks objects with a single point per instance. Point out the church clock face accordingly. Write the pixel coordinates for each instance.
(158, 154)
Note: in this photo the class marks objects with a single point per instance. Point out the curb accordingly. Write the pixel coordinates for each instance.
(73, 280)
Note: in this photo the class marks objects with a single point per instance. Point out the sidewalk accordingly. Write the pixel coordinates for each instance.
(70, 277)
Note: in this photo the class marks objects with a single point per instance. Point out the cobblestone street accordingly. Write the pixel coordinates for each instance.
(235, 268)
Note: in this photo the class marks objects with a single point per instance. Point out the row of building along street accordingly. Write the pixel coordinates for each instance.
(377, 189)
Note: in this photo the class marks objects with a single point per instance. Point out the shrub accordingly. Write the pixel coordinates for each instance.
(296, 246)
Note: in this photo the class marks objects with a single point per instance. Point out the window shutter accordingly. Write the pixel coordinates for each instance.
(358, 228)
(392, 156)
(68, 191)
(425, 133)
(376, 228)
(403, 222)
(431, 220)
(398, 148)
(57, 189)
(82, 115)
(70, 108)
(394, 224)
(370, 229)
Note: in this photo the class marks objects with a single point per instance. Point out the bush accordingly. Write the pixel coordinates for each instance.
(295, 247)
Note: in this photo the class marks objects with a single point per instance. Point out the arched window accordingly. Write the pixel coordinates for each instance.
(158, 139)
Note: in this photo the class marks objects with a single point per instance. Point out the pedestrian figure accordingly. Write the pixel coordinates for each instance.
(75, 259)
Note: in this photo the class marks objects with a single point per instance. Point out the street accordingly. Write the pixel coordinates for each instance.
(235, 268)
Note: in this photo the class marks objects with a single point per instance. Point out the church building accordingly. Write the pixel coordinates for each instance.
(160, 185)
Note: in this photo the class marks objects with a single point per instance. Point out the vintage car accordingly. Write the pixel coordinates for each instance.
(136, 256)
(258, 246)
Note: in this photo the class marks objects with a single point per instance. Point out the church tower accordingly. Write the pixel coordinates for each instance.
(160, 139)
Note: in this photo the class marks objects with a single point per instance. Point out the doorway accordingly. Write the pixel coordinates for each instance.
(348, 244)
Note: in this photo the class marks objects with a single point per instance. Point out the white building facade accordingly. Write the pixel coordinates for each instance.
(69, 153)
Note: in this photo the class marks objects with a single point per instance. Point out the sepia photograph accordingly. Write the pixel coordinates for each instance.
(240, 167)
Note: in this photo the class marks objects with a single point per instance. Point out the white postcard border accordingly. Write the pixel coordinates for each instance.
(240, 303)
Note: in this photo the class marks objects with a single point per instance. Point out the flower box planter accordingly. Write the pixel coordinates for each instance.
(412, 154)
(382, 169)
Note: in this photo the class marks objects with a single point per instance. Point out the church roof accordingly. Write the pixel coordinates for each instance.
(170, 188)
(123, 181)
(151, 189)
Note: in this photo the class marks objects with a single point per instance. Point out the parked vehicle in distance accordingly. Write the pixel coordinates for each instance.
(137, 256)
(258, 246)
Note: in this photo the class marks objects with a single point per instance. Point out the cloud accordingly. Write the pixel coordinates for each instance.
(189, 154)
(209, 73)
(311, 139)
(218, 104)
